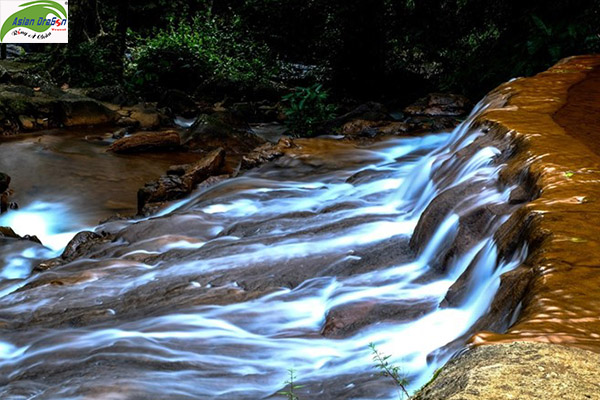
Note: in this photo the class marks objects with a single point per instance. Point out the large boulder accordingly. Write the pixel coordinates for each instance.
(147, 142)
(180, 180)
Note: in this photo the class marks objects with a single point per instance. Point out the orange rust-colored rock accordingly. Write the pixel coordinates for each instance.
(554, 117)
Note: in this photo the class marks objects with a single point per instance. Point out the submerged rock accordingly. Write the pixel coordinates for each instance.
(145, 142)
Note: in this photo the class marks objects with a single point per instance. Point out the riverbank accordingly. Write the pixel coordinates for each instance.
(553, 297)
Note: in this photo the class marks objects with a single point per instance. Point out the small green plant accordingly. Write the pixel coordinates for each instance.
(381, 362)
(290, 393)
(307, 107)
(569, 174)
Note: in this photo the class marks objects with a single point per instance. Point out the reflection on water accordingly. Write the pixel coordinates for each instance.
(73, 172)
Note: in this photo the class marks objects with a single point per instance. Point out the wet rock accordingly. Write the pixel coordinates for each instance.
(266, 153)
(8, 233)
(145, 117)
(126, 122)
(221, 129)
(27, 123)
(120, 133)
(79, 243)
(524, 371)
(440, 105)
(181, 180)
(345, 320)
(83, 112)
(145, 142)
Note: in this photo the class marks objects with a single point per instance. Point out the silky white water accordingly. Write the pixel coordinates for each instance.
(223, 292)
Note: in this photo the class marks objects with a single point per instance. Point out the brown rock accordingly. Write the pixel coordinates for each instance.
(84, 111)
(266, 153)
(80, 240)
(27, 123)
(144, 142)
(181, 180)
(146, 118)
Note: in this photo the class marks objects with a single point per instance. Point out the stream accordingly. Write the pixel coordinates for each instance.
(301, 263)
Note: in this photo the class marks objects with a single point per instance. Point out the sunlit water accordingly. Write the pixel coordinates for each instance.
(219, 295)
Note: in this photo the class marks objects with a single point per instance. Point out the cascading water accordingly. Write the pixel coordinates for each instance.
(299, 264)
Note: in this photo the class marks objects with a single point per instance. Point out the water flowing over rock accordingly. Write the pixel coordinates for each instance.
(305, 260)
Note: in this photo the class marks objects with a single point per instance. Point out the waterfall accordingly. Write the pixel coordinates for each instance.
(299, 264)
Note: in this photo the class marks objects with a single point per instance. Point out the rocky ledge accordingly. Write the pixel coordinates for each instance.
(541, 337)
(518, 371)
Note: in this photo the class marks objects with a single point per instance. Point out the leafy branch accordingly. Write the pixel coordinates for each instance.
(388, 370)
(290, 393)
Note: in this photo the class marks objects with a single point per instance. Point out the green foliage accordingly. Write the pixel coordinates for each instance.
(306, 108)
(291, 386)
(207, 50)
(388, 370)
(86, 64)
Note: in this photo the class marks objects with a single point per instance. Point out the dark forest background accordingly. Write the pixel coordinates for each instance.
(376, 49)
